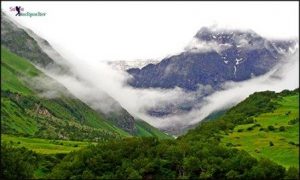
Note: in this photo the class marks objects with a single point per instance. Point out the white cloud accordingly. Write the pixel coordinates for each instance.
(197, 45)
(148, 30)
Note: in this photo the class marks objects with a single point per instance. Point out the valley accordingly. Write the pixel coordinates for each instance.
(225, 107)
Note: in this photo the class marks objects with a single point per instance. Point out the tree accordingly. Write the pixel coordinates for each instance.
(232, 174)
(292, 173)
(281, 128)
(17, 163)
(265, 169)
(271, 128)
(191, 166)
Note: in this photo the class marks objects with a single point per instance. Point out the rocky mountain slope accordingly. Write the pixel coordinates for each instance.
(213, 57)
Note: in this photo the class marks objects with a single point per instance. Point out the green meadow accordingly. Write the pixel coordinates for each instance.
(273, 135)
(44, 146)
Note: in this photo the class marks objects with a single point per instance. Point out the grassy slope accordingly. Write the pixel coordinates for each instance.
(256, 142)
(146, 130)
(16, 73)
(44, 146)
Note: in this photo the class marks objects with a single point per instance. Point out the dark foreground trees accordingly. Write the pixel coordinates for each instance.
(137, 158)
(17, 163)
(146, 158)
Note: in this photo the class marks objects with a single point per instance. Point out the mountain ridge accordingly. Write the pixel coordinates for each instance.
(212, 58)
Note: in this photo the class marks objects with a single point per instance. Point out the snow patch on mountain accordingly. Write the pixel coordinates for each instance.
(197, 46)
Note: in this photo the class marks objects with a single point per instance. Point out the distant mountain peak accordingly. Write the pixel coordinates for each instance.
(223, 40)
(219, 39)
(215, 33)
(214, 56)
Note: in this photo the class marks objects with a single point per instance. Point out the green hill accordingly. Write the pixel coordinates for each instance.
(146, 130)
(26, 112)
(273, 135)
(266, 125)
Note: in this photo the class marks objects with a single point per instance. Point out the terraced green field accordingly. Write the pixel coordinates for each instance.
(44, 146)
(273, 135)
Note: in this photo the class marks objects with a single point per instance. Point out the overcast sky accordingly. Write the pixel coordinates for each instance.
(147, 30)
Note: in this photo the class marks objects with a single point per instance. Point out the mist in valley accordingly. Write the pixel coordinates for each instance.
(103, 88)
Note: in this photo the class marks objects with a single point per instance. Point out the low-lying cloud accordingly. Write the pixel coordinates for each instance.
(104, 88)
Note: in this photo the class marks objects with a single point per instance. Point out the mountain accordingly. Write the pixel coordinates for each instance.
(24, 43)
(213, 57)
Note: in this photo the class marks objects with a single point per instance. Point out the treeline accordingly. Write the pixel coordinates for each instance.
(148, 158)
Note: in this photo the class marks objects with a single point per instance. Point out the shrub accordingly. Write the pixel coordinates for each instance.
(282, 128)
(271, 143)
(292, 143)
(271, 128)
(256, 125)
(292, 173)
(293, 121)
(257, 150)
(17, 163)
(229, 144)
(249, 120)
(250, 128)
(261, 129)
(240, 130)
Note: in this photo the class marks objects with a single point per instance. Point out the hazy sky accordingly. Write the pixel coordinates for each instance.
(147, 30)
